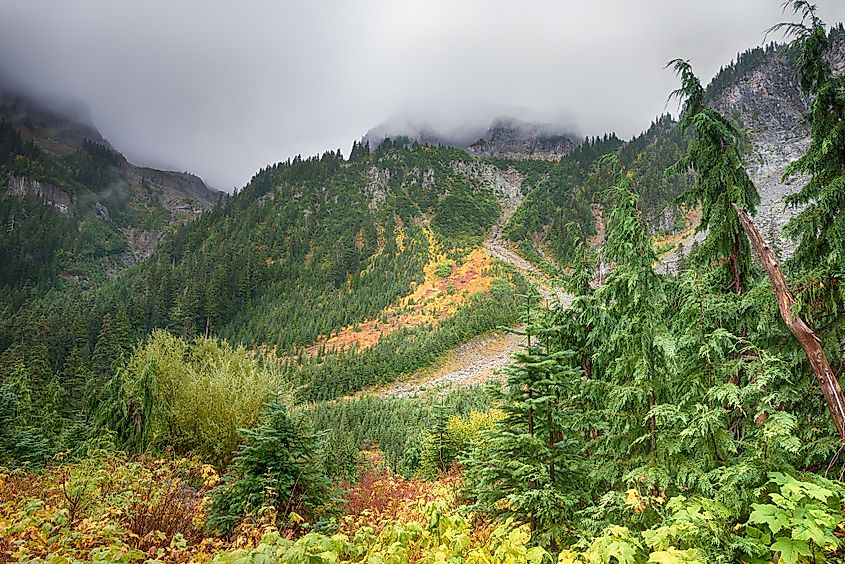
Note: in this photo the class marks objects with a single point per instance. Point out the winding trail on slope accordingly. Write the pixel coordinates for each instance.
(552, 294)
(498, 248)
(481, 359)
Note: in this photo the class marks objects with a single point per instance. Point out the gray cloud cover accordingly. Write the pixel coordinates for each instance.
(223, 88)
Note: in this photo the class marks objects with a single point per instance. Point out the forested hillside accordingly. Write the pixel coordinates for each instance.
(309, 249)
(221, 397)
(564, 201)
(73, 208)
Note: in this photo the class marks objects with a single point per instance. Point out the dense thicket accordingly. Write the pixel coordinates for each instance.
(687, 388)
(396, 427)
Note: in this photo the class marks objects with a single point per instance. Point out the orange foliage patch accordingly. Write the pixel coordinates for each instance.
(431, 301)
(151, 508)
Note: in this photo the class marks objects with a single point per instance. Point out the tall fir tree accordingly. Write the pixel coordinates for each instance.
(630, 337)
(819, 226)
(721, 181)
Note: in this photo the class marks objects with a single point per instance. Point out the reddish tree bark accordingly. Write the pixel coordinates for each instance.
(802, 332)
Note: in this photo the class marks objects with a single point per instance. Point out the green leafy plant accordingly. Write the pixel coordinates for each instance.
(443, 270)
(798, 523)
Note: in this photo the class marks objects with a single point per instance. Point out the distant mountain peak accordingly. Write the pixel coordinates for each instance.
(50, 151)
(513, 138)
(56, 124)
(502, 136)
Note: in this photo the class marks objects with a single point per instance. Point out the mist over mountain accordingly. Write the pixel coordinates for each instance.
(67, 118)
(250, 87)
(96, 212)
(483, 334)
(501, 136)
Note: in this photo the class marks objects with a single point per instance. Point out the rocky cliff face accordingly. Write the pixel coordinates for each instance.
(504, 137)
(25, 187)
(764, 99)
(767, 104)
(148, 199)
(514, 139)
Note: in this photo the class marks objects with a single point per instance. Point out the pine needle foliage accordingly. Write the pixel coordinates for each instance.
(279, 466)
(629, 336)
(714, 156)
(524, 469)
(820, 225)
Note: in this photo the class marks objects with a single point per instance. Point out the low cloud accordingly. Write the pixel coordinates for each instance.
(221, 90)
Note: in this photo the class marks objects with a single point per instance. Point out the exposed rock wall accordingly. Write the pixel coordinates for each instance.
(26, 187)
(767, 104)
(505, 184)
(517, 140)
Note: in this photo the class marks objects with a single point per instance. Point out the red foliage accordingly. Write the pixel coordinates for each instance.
(380, 495)
(156, 516)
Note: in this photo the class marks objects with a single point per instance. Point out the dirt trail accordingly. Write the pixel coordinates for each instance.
(552, 294)
(480, 359)
(497, 246)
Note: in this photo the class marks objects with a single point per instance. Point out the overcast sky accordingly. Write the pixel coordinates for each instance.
(223, 88)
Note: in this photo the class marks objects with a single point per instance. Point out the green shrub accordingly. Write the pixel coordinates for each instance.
(443, 270)
(193, 396)
(799, 522)
(279, 466)
(450, 438)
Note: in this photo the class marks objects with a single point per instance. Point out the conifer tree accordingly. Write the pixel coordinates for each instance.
(21, 440)
(74, 376)
(720, 368)
(530, 459)
(820, 225)
(38, 365)
(437, 450)
(721, 180)
(278, 465)
(106, 351)
(630, 337)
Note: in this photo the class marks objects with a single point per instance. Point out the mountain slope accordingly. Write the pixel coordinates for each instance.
(350, 272)
(73, 206)
(758, 91)
(379, 257)
(329, 243)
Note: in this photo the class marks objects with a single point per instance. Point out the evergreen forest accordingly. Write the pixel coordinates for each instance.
(416, 354)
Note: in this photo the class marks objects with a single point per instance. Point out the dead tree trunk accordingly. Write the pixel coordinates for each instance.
(802, 332)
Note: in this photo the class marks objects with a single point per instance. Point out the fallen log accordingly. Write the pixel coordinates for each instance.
(797, 326)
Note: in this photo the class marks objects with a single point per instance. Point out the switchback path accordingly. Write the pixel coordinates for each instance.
(498, 248)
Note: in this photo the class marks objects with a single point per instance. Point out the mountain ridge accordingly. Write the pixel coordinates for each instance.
(102, 214)
(501, 137)
(323, 250)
